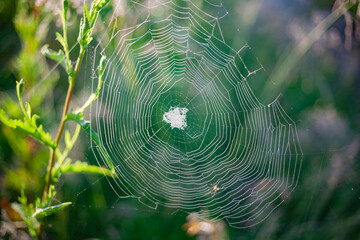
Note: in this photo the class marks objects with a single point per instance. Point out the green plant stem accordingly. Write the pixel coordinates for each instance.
(62, 122)
(61, 127)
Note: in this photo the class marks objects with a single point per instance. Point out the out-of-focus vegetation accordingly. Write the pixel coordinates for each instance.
(319, 90)
(31, 211)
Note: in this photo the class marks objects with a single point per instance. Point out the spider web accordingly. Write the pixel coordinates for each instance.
(230, 158)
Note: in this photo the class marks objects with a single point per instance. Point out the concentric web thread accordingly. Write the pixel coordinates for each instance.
(180, 124)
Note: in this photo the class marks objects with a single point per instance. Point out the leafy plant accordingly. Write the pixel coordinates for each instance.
(33, 214)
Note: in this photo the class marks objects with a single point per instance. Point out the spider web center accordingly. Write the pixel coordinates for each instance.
(176, 117)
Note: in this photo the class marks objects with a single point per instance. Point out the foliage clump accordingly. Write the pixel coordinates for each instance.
(33, 213)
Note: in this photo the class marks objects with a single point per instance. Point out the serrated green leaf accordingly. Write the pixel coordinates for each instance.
(86, 13)
(61, 40)
(78, 118)
(26, 211)
(83, 167)
(81, 31)
(29, 127)
(43, 212)
(88, 21)
(28, 109)
(59, 56)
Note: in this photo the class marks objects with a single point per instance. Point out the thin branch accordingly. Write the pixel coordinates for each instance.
(63, 121)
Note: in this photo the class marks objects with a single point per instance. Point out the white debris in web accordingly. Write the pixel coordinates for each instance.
(176, 117)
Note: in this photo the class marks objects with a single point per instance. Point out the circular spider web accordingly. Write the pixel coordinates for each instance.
(180, 124)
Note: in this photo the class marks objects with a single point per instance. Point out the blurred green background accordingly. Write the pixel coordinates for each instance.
(321, 93)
